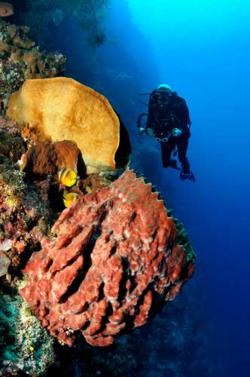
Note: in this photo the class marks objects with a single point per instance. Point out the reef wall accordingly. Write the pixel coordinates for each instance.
(98, 269)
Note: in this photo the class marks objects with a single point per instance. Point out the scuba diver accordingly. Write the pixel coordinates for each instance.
(169, 122)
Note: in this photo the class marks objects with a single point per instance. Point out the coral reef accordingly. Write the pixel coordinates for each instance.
(24, 211)
(33, 191)
(79, 114)
(114, 256)
(21, 59)
(113, 262)
(12, 144)
(25, 217)
(25, 346)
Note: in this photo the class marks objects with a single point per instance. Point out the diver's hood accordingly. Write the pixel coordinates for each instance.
(164, 88)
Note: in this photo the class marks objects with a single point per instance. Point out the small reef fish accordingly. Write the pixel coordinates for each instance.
(6, 9)
(67, 177)
(69, 198)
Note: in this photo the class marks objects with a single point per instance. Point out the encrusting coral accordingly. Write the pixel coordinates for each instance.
(113, 261)
(24, 209)
(21, 59)
(25, 345)
(63, 109)
(25, 218)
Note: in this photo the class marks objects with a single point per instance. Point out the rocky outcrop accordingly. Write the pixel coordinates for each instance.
(114, 259)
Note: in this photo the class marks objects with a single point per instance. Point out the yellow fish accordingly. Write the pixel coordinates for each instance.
(67, 177)
(69, 198)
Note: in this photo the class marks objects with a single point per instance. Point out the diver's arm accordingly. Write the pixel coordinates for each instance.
(184, 116)
(188, 117)
(187, 114)
(150, 125)
(140, 127)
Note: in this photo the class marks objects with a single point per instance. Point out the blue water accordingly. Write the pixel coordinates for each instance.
(200, 48)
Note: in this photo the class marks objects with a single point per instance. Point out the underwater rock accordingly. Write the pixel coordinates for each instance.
(63, 109)
(20, 59)
(114, 260)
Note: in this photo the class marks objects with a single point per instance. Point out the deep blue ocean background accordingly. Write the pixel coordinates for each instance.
(200, 48)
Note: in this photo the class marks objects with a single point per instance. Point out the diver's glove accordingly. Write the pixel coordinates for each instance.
(176, 132)
(141, 130)
(187, 175)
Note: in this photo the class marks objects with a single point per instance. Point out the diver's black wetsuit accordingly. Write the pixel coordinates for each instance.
(168, 111)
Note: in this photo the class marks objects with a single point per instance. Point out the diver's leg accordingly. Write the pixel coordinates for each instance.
(182, 152)
(182, 146)
(166, 150)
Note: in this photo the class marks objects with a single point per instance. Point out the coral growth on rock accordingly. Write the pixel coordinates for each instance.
(24, 217)
(25, 346)
(24, 210)
(21, 59)
(33, 190)
(12, 144)
(114, 260)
